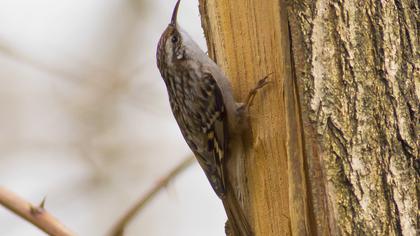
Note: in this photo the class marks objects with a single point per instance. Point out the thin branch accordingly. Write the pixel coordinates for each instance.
(119, 227)
(36, 215)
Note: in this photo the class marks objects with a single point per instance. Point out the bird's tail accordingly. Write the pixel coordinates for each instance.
(237, 224)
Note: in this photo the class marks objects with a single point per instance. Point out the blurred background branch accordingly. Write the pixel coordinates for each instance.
(118, 229)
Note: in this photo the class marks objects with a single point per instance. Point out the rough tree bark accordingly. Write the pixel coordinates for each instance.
(334, 146)
(357, 66)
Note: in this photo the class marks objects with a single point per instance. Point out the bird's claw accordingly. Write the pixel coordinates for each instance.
(260, 84)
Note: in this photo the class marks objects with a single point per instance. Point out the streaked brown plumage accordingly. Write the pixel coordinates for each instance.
(209, 118)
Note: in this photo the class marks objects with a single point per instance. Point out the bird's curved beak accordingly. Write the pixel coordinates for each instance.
(175, 14)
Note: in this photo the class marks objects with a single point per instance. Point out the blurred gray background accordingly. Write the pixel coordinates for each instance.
(85, 118)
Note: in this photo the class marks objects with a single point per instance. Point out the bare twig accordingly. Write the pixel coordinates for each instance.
(36, 215)
(119, 227)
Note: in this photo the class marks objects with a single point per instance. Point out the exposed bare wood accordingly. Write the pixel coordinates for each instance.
(250, 39)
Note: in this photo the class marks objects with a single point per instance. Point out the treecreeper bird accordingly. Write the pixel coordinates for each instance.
(210, 119)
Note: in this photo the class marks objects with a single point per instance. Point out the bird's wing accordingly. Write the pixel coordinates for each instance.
(218, 134)
(214, 131)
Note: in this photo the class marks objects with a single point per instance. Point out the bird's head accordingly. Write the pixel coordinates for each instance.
(175, 45)
(171, 46)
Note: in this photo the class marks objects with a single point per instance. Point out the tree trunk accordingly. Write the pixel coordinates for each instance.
(250, 41)
(357, 66)
(334, 144)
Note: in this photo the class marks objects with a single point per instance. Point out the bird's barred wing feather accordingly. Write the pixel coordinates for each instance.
(217, 133)
(202, 118)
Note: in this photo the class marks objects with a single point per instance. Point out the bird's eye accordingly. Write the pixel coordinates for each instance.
(174, 39)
